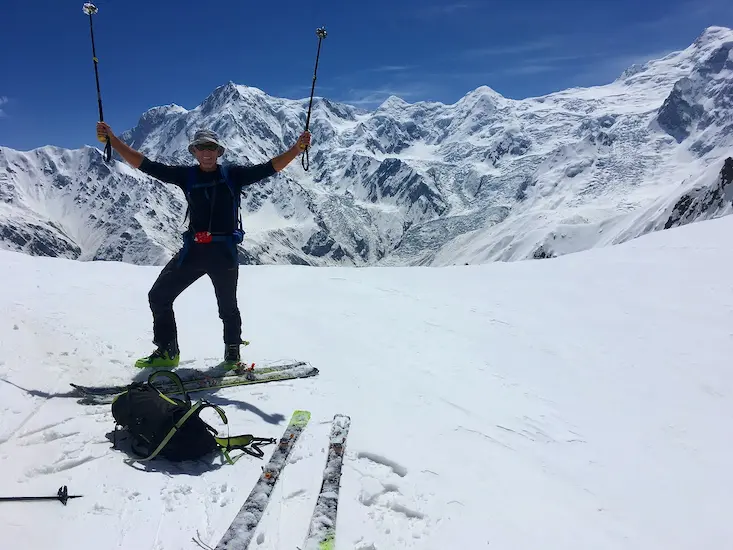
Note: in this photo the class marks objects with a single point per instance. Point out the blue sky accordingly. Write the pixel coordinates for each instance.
(156, 53)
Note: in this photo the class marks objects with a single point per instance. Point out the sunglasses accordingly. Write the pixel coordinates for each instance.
(207, 147)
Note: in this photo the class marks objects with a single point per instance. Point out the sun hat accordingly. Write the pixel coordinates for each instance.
(205, 136)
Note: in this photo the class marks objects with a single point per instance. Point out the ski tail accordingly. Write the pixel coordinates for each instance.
(322, 529)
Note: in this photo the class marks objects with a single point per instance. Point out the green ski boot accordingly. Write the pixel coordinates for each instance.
(165, 357)
(232, 358)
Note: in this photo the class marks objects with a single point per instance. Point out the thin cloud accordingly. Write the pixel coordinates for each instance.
(529, 69)
(391, 68)
(544, 64)
(689, 10)
(529, 65)
(512, 49)
(365, 97)
(553, 59)
(444, 10)
(625, 61)
(610, 69)
(300, 91)
(3, 101)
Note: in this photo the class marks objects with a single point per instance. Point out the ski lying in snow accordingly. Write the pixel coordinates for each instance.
(322, 530)
(193, 382)
(190, 376)
(240, 532)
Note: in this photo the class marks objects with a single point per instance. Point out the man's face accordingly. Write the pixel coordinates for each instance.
(206, 154)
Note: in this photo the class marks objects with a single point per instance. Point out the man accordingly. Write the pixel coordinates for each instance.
(210, 243)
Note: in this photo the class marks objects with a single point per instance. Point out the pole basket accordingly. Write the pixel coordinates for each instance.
(89, 8)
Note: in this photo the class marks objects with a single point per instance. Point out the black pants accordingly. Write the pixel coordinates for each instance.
(214, 260)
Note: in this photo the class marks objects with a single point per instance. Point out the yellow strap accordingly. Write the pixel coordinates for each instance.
(172, 432)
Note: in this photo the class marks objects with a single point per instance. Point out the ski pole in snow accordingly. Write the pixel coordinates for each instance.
(321, 34)
(62, 495)
(90, 9)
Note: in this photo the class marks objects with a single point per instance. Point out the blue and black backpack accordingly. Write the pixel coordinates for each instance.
(237, 237)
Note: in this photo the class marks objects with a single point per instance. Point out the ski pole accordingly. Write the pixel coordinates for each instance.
(90, 9)
(321, 34)
(62, 495)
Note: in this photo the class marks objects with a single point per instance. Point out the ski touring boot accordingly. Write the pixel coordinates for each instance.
(232, 357)
(164, 357)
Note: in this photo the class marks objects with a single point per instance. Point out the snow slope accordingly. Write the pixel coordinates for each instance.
(405, 184)
(579, 402)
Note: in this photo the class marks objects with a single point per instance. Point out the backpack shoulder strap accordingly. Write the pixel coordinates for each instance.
(237, 197)
(173, 377)
(191, 179)
(225, 174)
(189, 413)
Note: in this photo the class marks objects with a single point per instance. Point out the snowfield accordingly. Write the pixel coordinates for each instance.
(578, 402)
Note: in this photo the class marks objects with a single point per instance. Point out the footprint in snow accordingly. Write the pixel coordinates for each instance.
(379, 459)
(390, 502)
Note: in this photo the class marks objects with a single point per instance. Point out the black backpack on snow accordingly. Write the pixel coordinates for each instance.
(162, 425)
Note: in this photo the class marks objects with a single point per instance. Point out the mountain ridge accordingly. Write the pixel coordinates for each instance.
(486, 178)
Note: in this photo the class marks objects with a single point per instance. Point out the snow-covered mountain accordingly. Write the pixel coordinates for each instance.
(484, 179)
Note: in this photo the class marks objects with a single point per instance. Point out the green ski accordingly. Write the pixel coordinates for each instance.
(102, 395)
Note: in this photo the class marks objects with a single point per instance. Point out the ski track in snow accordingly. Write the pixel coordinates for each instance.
(12, 431)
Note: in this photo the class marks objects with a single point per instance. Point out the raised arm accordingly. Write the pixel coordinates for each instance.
(160, 171)
(247, 175)
(281, 161)
(134, 158)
